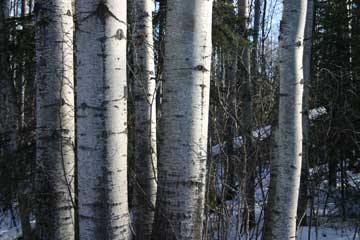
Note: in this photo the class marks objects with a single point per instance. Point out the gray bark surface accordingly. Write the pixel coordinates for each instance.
(286, 167)
(306, 122)
(184, 124)
(102, 119)
(55, 119)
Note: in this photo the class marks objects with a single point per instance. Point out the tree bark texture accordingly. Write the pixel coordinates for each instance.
(55, 119)
(184, 124)
(302, 204)
(145, 119)
(286, 167)
(102, 119)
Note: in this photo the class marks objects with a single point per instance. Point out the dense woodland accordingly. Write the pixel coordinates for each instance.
(179, 119)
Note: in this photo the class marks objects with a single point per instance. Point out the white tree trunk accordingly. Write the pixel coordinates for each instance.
(55, 118)
(102, 119)
(145, 119)
(302, 204)
(184, 123)
(287, 164)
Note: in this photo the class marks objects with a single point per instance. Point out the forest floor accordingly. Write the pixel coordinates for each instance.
(10, 226)
(327, 219)
(325, 213)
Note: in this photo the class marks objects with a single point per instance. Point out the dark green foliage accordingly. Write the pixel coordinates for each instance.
(226, 27)
(335, 85)
(16, 171)
(17, 155)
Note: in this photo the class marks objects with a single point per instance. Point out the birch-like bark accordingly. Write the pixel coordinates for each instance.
(102, 119)
(184, 124)
(145, 119)
(55, 119)
(302, 204)
(287, 164)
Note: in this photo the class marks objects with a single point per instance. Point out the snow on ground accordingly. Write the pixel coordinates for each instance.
(10, 226)
(329, 226)
(316, 112)
(327, 233)
(10, 234)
